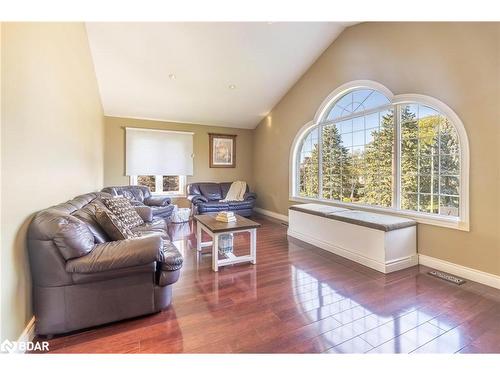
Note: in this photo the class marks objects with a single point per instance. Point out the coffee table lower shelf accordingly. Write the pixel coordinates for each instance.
(231, 258)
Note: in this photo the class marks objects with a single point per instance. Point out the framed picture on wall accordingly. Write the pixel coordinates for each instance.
(222, 150)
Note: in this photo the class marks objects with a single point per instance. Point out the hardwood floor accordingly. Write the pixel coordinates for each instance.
(300, 299)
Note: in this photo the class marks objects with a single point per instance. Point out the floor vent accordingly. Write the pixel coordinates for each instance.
(284, 224)
(447, 277)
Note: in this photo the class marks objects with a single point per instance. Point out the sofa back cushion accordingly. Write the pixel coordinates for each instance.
(211, 191)
(225, 186)
(87, 214)
(121, 207)
(74, 238)
(193, 189)
(133, 192)
(112, 225)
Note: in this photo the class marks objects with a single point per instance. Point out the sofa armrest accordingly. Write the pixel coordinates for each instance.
(145, 212)
(118, 254)
(197, 198)
(157, 200)
(249, 196)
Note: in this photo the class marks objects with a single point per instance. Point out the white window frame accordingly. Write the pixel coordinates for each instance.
(159, 186)
(461, 222)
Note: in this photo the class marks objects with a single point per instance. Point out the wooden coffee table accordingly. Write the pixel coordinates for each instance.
(214, 229)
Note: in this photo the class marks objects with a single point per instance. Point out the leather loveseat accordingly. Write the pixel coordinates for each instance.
(140, 195)
(205, 198)
(82, 279)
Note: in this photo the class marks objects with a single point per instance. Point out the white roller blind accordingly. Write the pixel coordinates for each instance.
(158, 152)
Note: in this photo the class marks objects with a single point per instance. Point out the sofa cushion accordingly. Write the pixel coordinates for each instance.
(74, 238)
(155, 228)
(118, 254)
(133, 194)
(211, 190)
(128, 194)
(213, 206)
(385, 223)
(317, 209)
(112, 225)
(122, 208)
(145, 212)
(240, 205)
(162, 212)
(87, 215)
(83, 278)
(193, 189)
(224, 187)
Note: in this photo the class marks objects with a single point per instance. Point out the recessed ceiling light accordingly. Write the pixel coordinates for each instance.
(171, 76)
(232, 87)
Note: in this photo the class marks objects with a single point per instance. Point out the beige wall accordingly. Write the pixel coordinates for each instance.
(458, 63)
(114, 153)
(51, 142)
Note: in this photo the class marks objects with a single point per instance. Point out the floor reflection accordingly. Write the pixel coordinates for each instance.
(300, 299)
(239, 280)
(358, 328)
(242, 284)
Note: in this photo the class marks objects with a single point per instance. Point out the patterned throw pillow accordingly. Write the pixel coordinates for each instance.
(122, 208)
(112, 225)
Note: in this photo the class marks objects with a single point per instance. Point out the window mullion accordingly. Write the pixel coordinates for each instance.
(159, 183)
(396, 175)
(320, 161)
(357, 114)
(296, 188)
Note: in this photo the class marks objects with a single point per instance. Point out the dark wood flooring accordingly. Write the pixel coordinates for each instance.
(300, 299)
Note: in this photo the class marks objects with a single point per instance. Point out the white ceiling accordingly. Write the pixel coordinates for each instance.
(263, 60)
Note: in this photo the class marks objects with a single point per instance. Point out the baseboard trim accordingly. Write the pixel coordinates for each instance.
(27, 335)
(394, 265)
(462, 271)
(272, 214)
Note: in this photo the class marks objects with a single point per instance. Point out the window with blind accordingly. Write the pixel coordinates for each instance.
(159, 159)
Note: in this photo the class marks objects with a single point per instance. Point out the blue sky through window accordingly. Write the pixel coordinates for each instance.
(356, 101)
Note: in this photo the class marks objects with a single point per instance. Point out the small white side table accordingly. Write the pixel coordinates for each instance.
(214, 228)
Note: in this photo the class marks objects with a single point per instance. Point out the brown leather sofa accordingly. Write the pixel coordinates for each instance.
(82, 279)
(140, 195)
(205, 198)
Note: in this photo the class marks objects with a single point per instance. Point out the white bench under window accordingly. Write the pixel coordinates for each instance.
(385, 243)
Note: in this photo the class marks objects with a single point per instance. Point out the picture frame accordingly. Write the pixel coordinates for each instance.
(222, 150)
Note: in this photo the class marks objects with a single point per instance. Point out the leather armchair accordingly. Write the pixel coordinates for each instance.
(157, 201)
(140, 195)
(205, 198)
(82, 279)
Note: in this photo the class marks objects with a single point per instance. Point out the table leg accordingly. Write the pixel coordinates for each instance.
(253, 245)
(198, 236)
(215, 252)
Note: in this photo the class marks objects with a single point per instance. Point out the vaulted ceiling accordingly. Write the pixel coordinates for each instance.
(226, 74)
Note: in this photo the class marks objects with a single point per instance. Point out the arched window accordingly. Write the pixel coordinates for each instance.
(366, 147)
